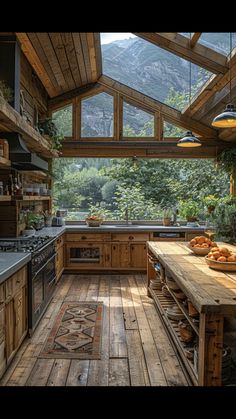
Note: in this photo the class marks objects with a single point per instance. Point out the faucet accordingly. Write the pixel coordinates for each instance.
(127, 214)
(175, 212)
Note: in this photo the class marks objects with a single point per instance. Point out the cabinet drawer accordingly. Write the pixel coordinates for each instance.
(125, 237)
(15, 282)
(91, 237)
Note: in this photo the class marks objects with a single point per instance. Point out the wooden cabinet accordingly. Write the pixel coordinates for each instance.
(129, 250)
(60, 263)
(205, 299)
(13, 316)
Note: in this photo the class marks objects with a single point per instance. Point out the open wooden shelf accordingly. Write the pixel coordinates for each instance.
(162, 302)
(5, 198)
(11, 120)
(4, 162)
(30, 198)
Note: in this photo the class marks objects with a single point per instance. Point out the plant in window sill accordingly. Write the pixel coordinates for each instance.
(5, 91)
(48, 129)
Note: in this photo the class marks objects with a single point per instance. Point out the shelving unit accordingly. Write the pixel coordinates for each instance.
(213, 294)
(30, 198)
(4, 162)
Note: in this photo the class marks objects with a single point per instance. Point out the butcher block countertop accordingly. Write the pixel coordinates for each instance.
(209, 290)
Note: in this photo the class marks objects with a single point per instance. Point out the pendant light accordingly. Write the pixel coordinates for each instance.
(227, 119)
(189, 140)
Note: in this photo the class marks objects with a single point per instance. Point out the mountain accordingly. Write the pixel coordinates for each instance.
(144, 67)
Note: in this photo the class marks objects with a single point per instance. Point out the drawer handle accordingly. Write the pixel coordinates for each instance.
(131, 237)
(18, 281)
(83, 237)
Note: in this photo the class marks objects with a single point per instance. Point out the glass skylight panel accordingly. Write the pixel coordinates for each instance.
(152, 70)
(218, 41)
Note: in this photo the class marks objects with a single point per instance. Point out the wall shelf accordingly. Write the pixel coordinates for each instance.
(11, 120)
(31, 198)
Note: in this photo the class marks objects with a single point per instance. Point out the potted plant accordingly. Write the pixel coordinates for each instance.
(167, 214)
(5, 91)
(227, 160)
(210, 201)
(49, 130)
(189, 210)
(29, 224)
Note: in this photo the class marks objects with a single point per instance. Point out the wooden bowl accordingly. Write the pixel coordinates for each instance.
(93, 223)
(221, 266)
(200, 251)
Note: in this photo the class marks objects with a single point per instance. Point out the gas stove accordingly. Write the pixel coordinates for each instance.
(24, 244)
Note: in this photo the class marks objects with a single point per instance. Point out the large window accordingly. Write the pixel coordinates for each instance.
(63, 120)
(149, 69)
(136, 122)
(144, 187)
(97, 116)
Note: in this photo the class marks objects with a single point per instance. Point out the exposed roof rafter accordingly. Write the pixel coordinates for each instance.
(179, 45)
(194, 38)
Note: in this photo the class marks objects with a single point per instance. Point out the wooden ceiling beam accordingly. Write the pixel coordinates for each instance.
(157, 149)
(179, 45)
(194, 38)
(169, 114)
(203, 102)
(37, 65)
(58, 100)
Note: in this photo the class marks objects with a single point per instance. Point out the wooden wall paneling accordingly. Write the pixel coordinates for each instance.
(32, 55)
(85, 51)
(71, 55)
(47, 46)
(59, 47)
(92, 55)
(80, 57)
(98, 53)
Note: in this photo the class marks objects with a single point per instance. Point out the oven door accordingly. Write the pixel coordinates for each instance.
(49, 277)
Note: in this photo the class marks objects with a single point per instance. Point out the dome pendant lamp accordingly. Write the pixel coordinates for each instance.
(189, 140)
(227, 119)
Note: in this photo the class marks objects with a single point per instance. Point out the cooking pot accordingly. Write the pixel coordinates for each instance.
(58, 222)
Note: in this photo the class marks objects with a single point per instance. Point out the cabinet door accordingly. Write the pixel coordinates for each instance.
(138, 255)
(3, 360)
(59, 262)
(120, 255)
(10, 328)
(20, 314)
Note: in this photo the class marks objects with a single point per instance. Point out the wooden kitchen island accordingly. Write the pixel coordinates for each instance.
(207, 299)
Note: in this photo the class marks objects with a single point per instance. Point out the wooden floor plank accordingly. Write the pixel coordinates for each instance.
(118, 345)
(172, 368)
(128, 307)
(136, 353)
(78, 373)
(155, 370)
(119, 373)
(137, 363)
(40, 373)
(59, 372)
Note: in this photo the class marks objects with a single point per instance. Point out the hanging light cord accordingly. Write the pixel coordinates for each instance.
(190, 76)
(230, 58)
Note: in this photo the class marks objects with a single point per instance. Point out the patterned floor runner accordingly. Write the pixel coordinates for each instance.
(76, 332)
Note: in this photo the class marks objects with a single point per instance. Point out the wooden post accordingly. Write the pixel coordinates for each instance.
(10, 66)
(233, 183)
(210, 349)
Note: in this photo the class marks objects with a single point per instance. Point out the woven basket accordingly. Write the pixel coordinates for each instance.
(93, 223)
(221, 266)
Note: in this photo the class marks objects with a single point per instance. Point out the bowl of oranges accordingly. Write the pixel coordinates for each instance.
(201, 245)
(221, 259)
(93, 221)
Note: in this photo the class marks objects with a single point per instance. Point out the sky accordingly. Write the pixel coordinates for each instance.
(107, 37)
